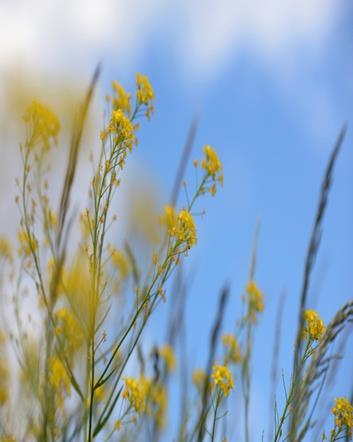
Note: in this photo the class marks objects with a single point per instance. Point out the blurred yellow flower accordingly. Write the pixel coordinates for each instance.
(4, 382)
(5, 248)
(343, 412)
(167, 353)
(69, 330)
(157, 402)
(255, 300)
(28, 243)
(233, 349)
(120, 261)
(135, 393)
(44, 125)
(211, 163)
(117, 425)
(199, 377)
(145, 93)
(59, 379)
(222, 378)
(121, 100)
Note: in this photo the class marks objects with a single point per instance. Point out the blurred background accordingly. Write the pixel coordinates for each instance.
(272, 84)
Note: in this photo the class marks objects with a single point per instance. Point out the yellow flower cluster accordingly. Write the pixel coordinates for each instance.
(120, 262)
(76, 285)
(211, 163)
(222, 378)
(255, 299)
(28, 243)
(233, 349)
(122, 132)
(343, 412)
(157, 402)
(99, 393)
(181, 226)
(122, 126)
(167, 354)
(213, 167)
(5, 249)
(68, 328)
(199, 377)
(44, 125)
(51, 217)
(146, 396)
(121, 100)
(145, 93)
(315, 325)
(187, 229)
(59, 379)
(135, 393)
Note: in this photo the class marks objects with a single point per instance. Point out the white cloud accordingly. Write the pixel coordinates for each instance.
(199, 37)
(206, 33)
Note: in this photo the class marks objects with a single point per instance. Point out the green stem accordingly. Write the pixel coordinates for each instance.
(215, 417)
(294, 387)
(92, 392)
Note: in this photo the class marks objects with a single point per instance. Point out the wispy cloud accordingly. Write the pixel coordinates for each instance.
(199, 37)
(202, 32)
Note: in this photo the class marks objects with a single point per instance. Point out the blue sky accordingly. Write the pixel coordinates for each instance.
(272, 83)
(274, 139)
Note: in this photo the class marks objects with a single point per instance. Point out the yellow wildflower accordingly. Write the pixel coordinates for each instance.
(103, 135)
(85, 222)
(5, 248)
(122, 127)
(186, 228)
(315, 325)
(144, 93)
(28, 243)
(135, 393)
(43, 123)
(59, 379)
(121, 99)
(222, 378)
(99, 393)
(213, 166)
(233, 348)
(170, 220)
(255, 299)
(199, 377)
(168, 356)
(120, 262)
(52, 219)
(68, 328)
(211, 163)
(117, 425)
(180, 226)
(343, 412)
